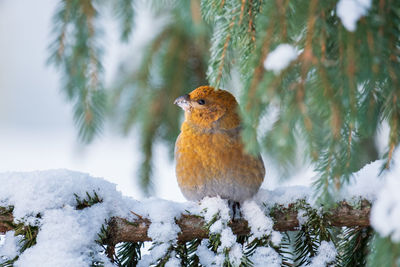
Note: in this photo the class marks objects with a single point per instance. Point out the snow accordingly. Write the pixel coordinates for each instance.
(266, 256)
(364, 183)
(206, 256)
(162, 215)
(280, 58)
(284, 195)
(173, 262)
(350, 11)
(276, 238)
(326, 253)
(39, 191)
(163, 230)
(236, 254)
(10, 247)
(228, 239)
(385, 213)
(65, 238)
(66, 234)
(209, 206)
(156, 253)
(259, 224)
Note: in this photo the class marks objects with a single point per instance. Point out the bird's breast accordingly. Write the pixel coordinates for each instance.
(214, 163)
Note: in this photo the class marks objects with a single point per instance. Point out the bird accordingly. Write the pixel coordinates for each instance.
(210, 156)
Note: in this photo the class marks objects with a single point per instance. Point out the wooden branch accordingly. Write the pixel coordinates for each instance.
(6, 219)
(192, 226)
(285, 219)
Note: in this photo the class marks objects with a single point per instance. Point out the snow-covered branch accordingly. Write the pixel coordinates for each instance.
(193, 226)
(76, 212)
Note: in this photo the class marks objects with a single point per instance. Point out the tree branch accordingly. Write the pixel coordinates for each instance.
(192, 226)
(6, 220)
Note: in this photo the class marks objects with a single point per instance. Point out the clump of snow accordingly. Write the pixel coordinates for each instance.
(206, 257)
(266, 256)
(276, 238)
(66, 238)
(385, 213)
(217, 227)
(326, 254)
(10, 247)
(365, 183)
(173, 261)
(156, 253)
(259, 224)
(210, 206)
(163, 230)
(217, 208)
(350, 11)
(228, 239)
(162, 215)
(284, 196)
(280, 58)
(236, 254)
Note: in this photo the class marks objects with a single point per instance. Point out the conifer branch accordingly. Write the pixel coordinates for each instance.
(224, 51)
(251, 24)
(242, 11)
(192, 226)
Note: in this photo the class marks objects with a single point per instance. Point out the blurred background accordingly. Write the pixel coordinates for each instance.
(36, 121)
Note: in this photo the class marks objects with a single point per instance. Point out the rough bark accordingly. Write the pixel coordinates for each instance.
(285, 219)
(6, 220)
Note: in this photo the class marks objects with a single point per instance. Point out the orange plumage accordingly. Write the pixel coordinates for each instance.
(210, 156)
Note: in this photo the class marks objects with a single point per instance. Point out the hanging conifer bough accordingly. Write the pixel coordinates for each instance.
(329, 70)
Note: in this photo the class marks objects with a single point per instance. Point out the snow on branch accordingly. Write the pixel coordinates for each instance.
(193, 226)
(48, 210)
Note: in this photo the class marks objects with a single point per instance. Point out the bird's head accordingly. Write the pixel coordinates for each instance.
(208, 108)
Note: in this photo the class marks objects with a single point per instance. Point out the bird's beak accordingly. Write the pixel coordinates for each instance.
(183, 102)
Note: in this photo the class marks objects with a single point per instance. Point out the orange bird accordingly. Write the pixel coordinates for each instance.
(210, 156)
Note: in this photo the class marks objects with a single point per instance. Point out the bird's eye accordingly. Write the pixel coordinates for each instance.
(201, 101)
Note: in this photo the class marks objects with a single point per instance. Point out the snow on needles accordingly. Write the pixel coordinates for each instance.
(280, 58)
(350, 11)
(215, 208)
(259, 224)
(266, 256)
(10, 246)
(326, 254)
